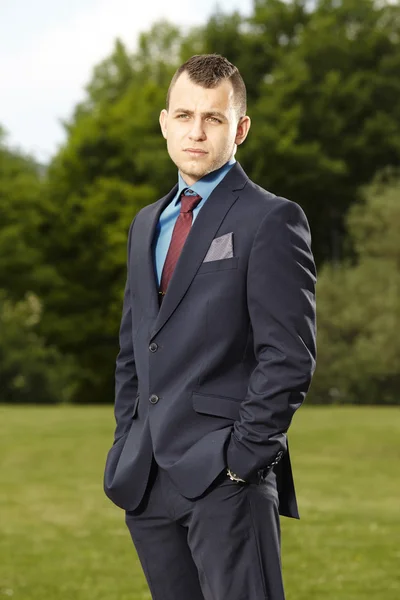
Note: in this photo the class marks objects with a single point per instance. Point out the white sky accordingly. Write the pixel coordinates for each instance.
(48, 49)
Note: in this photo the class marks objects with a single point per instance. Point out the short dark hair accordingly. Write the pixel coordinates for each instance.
(209, 70)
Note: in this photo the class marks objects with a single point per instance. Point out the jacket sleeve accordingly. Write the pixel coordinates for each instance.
(281, 303)
(126, 381)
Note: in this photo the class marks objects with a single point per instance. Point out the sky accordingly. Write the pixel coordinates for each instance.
(48, 50)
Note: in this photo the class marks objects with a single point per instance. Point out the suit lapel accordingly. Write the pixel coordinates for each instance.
(148, 288)
(196, 246)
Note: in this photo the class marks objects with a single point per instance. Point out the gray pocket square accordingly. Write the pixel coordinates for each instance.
(221, 247)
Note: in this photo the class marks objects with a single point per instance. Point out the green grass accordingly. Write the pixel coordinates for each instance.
(61, 538)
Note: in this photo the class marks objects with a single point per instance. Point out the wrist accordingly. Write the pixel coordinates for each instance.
(234, 477)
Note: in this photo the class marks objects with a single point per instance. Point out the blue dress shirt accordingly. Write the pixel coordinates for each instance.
(165, 226)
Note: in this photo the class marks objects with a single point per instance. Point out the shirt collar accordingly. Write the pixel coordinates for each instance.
(204, 186)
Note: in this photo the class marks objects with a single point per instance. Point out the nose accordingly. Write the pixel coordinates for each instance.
(197, 132)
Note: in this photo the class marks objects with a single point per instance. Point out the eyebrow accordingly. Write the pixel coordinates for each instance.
(209, 113)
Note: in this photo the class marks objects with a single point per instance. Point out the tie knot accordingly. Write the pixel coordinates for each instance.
(189, 201)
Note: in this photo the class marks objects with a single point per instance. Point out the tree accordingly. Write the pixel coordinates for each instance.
(31, 371)
(359, 309)
(323, 84)
(323, 89)
(327, 118)
(96, 185)
(21, 201)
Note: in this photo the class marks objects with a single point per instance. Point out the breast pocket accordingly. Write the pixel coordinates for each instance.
(219, 265)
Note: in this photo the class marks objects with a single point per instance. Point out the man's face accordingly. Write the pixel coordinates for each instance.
(201, 127)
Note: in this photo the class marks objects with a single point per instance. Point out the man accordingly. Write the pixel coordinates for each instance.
(217, 351)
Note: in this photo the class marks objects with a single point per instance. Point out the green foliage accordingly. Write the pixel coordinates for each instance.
(323, 85)
(30, 370)
(327, 116)
(323, 91)
(87, 243)
(115, 162)
(323, 97)
(359, 309)
(21, 263)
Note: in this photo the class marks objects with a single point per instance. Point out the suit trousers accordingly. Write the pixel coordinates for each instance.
(222, 545)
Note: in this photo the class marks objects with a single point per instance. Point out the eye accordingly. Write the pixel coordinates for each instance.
(214, 120)
(182, 116)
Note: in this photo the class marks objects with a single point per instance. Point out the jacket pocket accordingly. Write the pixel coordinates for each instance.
(219, 265)
(133, 416)
(135, 406)
(217, 406)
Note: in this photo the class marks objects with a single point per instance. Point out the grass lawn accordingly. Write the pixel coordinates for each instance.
(62, 539)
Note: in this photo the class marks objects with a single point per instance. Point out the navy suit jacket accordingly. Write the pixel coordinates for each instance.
(213, 377)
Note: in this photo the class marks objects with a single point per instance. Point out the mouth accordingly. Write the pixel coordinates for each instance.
(195, 152)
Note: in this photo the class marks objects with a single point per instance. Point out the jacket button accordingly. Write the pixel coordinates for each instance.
(153, 347)
(154, 399)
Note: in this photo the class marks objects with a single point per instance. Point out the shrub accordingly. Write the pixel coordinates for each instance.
(30, 371)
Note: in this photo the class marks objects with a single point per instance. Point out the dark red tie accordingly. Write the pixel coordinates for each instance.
(181, 230)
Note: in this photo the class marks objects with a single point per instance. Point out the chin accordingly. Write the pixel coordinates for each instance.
(192, 169)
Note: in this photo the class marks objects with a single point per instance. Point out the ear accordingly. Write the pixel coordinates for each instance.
(163, 122)
(242, 130)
